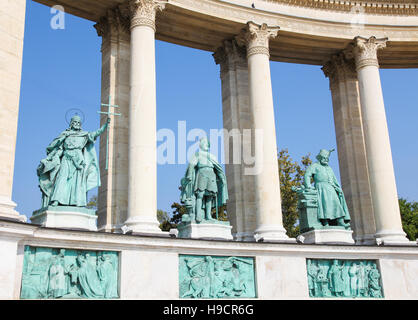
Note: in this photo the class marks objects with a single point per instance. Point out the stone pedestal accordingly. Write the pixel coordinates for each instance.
(66, 217)
(210, 231)
(327, 236)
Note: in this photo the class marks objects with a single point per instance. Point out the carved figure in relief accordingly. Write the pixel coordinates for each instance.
(88, 279)
(48, 273)
(343, 278)
(345, 270)
(312, 276)
(362, 283)
(336, 281)
(353, 271)
(57, 279)
(208, 277)
(322, 279)
(375, 290)
(108, 277)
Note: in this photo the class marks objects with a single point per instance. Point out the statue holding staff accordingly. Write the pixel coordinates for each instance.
(71, 168)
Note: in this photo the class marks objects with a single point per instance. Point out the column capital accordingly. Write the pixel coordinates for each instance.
(256, 38)
(230, 56)
(364, 51)
(143, 12)
(114, 20)
(339, 69)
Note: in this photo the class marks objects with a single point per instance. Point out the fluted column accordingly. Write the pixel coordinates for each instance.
(142, 195)
(376, 134)
(351, 147)
(237, 118)
(113, 192)
(267, 187)
(11, 50)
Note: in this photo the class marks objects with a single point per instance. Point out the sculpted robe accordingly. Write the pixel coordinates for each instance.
(331, 201)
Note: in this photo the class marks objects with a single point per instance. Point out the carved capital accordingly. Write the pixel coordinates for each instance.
(339, 69)
(256, 38)
(364, 51)
(230, 56)
(143, 12)
(114, 22)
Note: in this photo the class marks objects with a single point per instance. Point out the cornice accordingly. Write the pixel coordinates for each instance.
(384, 7)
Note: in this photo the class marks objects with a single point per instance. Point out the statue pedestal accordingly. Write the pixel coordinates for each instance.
(218, 230)
(327, 236)
(66, 217)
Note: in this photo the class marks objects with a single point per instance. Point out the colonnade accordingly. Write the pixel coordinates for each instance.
(128, 76)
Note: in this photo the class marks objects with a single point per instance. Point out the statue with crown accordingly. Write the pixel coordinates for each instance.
(68, 172)
(203, 192)
(323, 211)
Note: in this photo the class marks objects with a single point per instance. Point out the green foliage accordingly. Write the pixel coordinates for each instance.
(180, 209)
(92, 204)
(178, 212)
(291, 175)
(164, 220)
(409, 216)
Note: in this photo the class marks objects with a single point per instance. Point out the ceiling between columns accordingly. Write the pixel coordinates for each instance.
(207, 32)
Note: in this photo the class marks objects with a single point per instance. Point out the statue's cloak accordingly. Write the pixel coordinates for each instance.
(188, 186)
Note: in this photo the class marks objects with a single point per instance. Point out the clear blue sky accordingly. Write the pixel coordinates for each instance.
(62, 70)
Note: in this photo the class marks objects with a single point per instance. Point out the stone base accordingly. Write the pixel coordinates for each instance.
(8, 212)
(327, 236)
(393, 238)
(273, 234)
(210, 231)
(143, 226)
(66, 217)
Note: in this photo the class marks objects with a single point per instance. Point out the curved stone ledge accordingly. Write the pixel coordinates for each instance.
(153, 262)
(309, 34)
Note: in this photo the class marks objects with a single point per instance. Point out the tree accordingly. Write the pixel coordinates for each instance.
(291, 175)
(92, 204)
(409, 216)
(180, 209)
(164, 220)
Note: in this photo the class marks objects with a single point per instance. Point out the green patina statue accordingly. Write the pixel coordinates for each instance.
(323, 205)
(216, 277)
(203, 186)
(343, 278)
(70, 168)
(50, 273)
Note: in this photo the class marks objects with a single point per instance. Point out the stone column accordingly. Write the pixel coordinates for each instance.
(11, 52)
(376, 136)
(113, 192)
(237, 118)
(267, 187)
(142, 193)
(351, 148)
